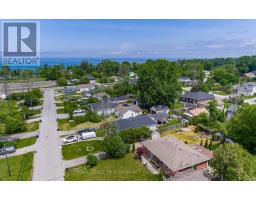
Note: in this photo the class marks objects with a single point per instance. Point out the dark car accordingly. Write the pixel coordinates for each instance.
(7, 150)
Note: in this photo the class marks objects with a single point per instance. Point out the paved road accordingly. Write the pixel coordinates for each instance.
(48, 162)
(81, 160)
(251, 101)
(19, 136)
(21, 151)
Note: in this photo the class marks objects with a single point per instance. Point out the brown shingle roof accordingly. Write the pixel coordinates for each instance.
(175, 154)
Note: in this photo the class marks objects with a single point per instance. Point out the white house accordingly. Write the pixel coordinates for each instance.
(85, 87)
(247, 89)
(126, 111)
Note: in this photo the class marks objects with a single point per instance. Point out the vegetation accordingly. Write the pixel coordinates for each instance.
(134, 135)
(234, 163)
(124, 169)
(20, 143)
(115, 146)
(242, 127)
(80, 149)
(20, 167)
(158, 83)
(92, 160)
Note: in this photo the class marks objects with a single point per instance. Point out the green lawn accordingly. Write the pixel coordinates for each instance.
(80, 149)
(32, 126)
(101, 132)
(60, 111)
(59, 104)
(123, 169)
(22, 80)
(220, 93)
(21, 168)
(20, 143)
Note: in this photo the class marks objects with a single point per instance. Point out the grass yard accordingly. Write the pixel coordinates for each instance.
(64, 125)
(190, 137)
(32, 126)
(80, 149)
(101, 132)
(21, 168)
(60, 111)
(20, 143)
(59, 104)
(123, 169)
(22, 80)
(220, 93)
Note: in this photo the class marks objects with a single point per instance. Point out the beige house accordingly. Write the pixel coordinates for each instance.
(126, 111)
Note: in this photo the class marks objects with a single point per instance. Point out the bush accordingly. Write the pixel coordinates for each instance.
(92, 160)
(115, 146)
(133, 135)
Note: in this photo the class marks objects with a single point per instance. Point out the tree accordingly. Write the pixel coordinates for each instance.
(133, 135)
(115, 146)
(234, 163)
(206, 144)
(242, 127)
(62, 81)
(158, 83)
(91, 160)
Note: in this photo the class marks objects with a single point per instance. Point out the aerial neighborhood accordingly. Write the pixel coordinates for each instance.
(185, 120)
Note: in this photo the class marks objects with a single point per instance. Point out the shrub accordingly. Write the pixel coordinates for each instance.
(92, 160)
(115, 146)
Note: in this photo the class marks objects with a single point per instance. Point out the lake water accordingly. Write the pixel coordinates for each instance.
(76, 61)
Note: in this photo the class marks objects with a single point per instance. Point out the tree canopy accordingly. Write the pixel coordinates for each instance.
(158, 83)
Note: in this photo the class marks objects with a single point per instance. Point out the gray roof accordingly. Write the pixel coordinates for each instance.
(90, 77)
(198, 95)
(102, 105)
(233, 108)
(134, 122)
(159, 108)
(160, 116)
(121, 98)
(175, 154)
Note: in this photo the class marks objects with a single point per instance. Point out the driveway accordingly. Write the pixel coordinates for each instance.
(48, 162)
(251, 101)
(21, 151)
(19, 136)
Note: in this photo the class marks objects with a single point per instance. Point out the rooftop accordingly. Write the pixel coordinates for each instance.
(198, 95)
(159, 108)
(175, 154)
(124, 108)
(134, 122)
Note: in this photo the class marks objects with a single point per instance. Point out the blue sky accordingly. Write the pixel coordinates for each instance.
(148, 38)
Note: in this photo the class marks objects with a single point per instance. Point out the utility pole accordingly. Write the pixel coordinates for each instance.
(7, 162)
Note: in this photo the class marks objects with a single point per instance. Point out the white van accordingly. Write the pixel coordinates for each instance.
(88, 135)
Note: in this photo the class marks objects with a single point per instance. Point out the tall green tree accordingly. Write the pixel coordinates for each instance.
(242, 127)
(234, 163)
(158, 83)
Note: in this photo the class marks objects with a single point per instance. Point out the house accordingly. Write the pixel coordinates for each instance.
(132, 74)
(101, 95)
(195, 112)
(135, 122)
(206, 103)
(174, 157)
(69, 90)
(159, 109)
(250, 74)
(86, 87)
(247, 89)
(196, 97)
(161, 118)
(121, 99)
(105, 107)
(186, 80)
(126, 111)
(91, 79)
(232, 109)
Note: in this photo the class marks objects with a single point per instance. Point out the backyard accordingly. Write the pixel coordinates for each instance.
(187, 135)
(123, 169)
(80, 149)
(20, 167)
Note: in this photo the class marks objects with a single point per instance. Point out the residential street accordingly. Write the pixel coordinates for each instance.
(47, 162)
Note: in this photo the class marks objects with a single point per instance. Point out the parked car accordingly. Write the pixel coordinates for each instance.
(70, 139)
(79, 111)
(7, 149)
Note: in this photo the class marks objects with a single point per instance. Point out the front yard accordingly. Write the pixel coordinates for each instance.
(123, 169)
(79, 149)
(32, 126)
(21, 168)
(20, 143)
(187, 135)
